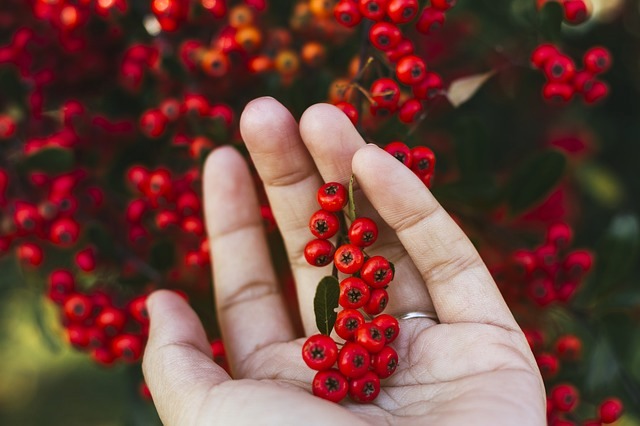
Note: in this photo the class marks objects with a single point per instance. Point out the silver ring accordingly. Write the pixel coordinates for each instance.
(411, 315)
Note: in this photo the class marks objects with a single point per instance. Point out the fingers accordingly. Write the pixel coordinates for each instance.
(459, 283)
(251, 311)
(177, 361)
(291, 181)
(332, 141)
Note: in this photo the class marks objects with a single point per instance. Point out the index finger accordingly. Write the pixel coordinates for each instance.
(460, 285)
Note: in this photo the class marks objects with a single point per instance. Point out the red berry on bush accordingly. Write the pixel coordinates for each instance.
(349, 110)
(385, 362)
(389, 326)
(411, 70)
(597, 60)
(347, 322)
(430, 20)
(373, 9)
(127, 347)
(330, 384)
(319, 352)
(371, 337)
(569, 347)
(543, 53)
(332, 196)
(365, 388)
(77, 307)
(384, 36)
(324, 224)
(354, 293)
(443, 4)
(378, 300)
(610, 410)
(348, 258)
(559, 69)
(429, 87)
(575, 11)
(363, 232)
(385, 92)
(353, 360)
(401, 151)
(347, 13)
(319, 252)
(377, 272)
(402, 11)
(410, 111)
(565, 397)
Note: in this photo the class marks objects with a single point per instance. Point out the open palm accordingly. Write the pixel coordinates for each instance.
(472, 367)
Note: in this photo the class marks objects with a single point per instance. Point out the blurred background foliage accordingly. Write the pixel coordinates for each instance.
(492, 156)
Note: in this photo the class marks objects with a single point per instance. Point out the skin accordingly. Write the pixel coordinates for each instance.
(472, 366)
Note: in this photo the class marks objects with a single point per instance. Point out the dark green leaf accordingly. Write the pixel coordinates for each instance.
(618, 252)
(325, 304)
(351, 209)
(534, 179)
(551, 20)
(52, 160)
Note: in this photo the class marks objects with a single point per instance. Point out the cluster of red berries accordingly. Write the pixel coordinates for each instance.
(97, 322)
(549, 273)
(365, 357)
(575, 12)
(387, 18)
(564, 398)
(564, 80)
(420, 159)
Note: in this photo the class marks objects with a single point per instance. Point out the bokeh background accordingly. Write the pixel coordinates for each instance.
(493, 171)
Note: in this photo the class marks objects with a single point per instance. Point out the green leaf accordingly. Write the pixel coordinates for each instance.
(603, 366)
(51, 159)
(325, 304)
(551, 20)
(351, 209)
(618, 252)
(534, 179)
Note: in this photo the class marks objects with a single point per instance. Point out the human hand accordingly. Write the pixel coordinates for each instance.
(472, 366)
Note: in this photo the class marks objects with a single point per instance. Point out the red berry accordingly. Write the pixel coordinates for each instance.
(565, 397)
(353, 360)
(377, 272)
(597, 91)
(319, 252)
(363, 232)
(373, 9)
(349, 110)
(347, 322)
(77, 307)
(560, 235)
(559, 69)
(430, 20)
(389, 326)
(61, 284)
(86, 259)
(610, 410)
(30, 253)
(378, 300)
(583, 81)
(64, 232)
(153, 123)
(443, 4)
(541, 291)
(365, 388)
(543, 53)
(324, 224)
(348, 258)
(77, 335)
(385, 93)
(429, 87)
(330, 384)
(102, 356)
(548, 365)
(401, 151)
(371, 337)
(411, 70)
(319, 352)
(7, 126)
(354, 293)
(385, 362)
(402, 11)
(384, 36)
(127, 346)
(111, 320)
(332, 196)
(575, 11)
(138, 309)
(569, 347)
(577, 263)
(597, 60)
(559, 92)
(402, 49)
(410, 111)
(423, 160)
(346, 12)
